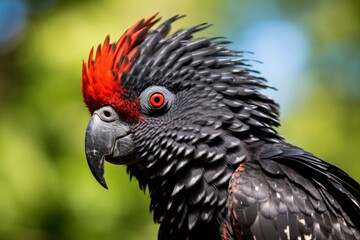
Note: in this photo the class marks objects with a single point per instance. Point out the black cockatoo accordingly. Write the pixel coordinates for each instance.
(187, 117)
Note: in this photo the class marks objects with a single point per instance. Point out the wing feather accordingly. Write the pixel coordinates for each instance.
(287, 193)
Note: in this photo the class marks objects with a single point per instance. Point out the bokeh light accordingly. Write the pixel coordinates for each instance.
(13, 19)
(283, 49)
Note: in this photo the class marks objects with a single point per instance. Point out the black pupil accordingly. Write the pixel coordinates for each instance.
(157, 99)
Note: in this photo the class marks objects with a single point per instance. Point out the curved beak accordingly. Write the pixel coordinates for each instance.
(100, 138)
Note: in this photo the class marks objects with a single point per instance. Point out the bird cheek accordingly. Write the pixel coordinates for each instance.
(123, 150)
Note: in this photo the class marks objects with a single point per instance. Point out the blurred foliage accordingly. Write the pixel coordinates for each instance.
(46, 189)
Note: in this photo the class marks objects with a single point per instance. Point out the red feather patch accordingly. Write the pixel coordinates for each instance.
(101, 79)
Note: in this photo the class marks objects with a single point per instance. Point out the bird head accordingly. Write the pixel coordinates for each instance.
(179, 111)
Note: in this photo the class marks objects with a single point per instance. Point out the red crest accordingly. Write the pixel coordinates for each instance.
(101, 78)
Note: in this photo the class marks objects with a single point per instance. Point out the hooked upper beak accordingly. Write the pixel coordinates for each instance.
(104, 129)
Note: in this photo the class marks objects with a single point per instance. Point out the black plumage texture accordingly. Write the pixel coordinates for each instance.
(214, 165)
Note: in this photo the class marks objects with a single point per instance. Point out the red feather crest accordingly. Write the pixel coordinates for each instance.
(101, 79)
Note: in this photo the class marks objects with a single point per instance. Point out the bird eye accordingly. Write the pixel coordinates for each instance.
(155, 100)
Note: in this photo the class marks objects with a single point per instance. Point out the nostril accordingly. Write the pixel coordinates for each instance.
(106, 113)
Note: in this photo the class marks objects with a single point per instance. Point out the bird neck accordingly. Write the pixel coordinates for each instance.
(188, 182)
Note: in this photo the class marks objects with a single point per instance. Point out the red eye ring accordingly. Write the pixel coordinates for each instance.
(157, 100)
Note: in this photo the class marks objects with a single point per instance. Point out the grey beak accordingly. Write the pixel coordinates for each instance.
(102, 131)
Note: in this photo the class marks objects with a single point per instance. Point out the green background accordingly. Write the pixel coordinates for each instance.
(46, 188)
